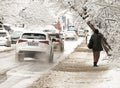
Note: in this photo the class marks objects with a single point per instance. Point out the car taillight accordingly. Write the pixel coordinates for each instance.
(46, 42)
(22, 41)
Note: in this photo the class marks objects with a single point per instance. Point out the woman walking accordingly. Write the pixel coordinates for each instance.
(96, 39)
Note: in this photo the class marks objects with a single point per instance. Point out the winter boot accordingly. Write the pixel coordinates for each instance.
(95, 64)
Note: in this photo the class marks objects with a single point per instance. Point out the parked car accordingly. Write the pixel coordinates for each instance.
(5, 38)
(31, 43)
(70, 35)
(57, 41)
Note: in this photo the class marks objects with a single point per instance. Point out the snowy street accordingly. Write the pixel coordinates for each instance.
(59, 43)
(14, 73)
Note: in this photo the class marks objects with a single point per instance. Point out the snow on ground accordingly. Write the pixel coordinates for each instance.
(21, 75)
(77, 71)
(108, 18)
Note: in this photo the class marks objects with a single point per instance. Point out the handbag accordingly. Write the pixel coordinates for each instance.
(90, 45)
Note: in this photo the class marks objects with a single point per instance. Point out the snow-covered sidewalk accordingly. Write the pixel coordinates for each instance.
(77, 71)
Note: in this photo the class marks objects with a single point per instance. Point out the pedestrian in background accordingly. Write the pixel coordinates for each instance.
(96, 46)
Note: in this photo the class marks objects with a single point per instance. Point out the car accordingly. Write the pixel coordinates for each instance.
(70, 35)
(57, 41)
(32, 43)
(5, 38)
(2, 26)
(7, 27)
(15, 35)
(49, 29)
(81, 33)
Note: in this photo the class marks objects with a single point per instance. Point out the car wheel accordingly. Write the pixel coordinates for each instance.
(51, 57)
(20, 57)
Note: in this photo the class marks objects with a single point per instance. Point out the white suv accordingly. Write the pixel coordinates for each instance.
(32, 43)
(5, 38)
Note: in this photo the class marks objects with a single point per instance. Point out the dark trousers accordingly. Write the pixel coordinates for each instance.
(96, 56)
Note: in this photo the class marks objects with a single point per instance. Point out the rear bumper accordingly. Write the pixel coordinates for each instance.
(33, 49)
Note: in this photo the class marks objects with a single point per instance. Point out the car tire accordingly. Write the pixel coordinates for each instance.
(20, 57)
(51, 57)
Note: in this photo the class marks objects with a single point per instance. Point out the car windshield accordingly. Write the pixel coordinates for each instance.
(33, 36)
(3, 34)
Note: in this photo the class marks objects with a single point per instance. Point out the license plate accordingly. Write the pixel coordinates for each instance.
(32, 44)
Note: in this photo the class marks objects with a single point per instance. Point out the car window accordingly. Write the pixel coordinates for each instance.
(3, 34)
(33, 36)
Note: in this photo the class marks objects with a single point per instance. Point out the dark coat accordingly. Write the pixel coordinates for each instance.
(96, 41)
